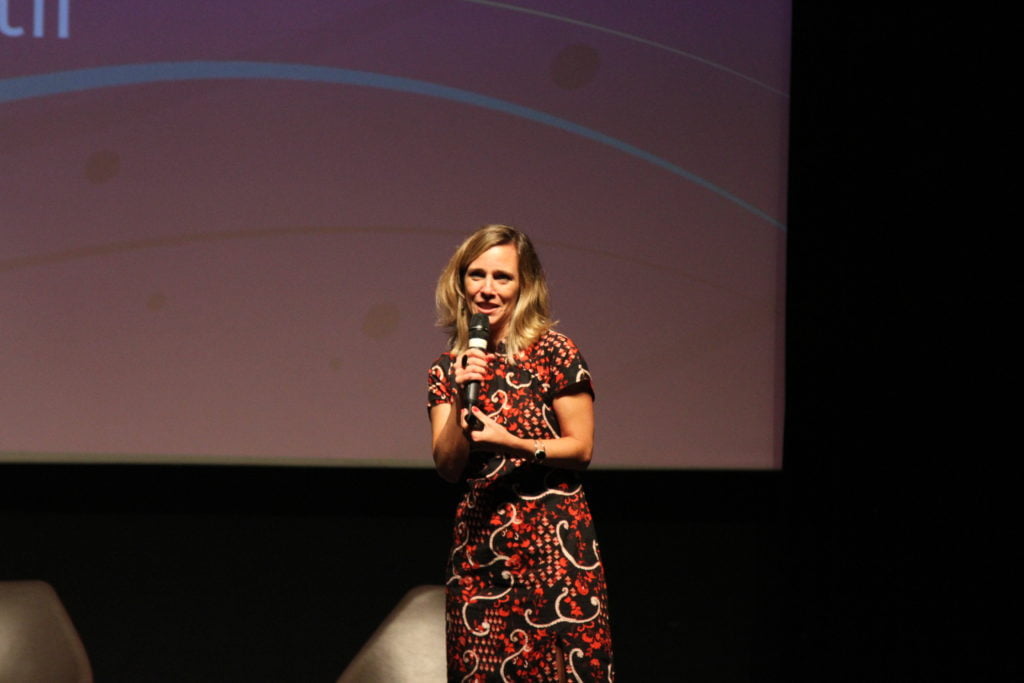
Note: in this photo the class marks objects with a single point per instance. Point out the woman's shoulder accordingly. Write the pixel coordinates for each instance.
(554, 343)
(556, 339)
(558, 360)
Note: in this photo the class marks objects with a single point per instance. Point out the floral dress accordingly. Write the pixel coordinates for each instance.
(524, 576)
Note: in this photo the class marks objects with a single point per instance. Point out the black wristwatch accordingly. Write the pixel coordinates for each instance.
(539, 453)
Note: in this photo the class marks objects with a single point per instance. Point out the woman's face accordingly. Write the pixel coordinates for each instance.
(492, 286)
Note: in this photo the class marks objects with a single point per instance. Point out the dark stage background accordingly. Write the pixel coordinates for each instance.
(874, 555)
(286, 581)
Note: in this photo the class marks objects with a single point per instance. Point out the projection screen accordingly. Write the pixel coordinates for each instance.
(222, 222)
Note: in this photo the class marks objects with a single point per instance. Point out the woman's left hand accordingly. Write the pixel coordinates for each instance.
(491, 433)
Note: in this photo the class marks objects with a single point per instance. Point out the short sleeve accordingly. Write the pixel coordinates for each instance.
(439, 382)
(569, 371)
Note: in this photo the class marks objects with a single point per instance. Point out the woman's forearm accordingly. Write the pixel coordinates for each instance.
(566, 452)
(450, 448)
(572, 450)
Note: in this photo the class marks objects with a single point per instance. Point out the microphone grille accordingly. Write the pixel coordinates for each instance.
(479, 326)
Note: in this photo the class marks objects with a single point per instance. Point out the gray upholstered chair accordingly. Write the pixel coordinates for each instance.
(408, 647)
(38, 642)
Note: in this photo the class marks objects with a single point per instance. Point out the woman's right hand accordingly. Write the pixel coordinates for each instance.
(472, 364)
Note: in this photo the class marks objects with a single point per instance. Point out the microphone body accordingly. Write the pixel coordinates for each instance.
(479, 334)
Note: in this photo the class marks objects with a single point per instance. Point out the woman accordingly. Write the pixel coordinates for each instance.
(526, 595)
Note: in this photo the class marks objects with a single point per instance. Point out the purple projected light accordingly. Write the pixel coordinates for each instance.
(222, 222)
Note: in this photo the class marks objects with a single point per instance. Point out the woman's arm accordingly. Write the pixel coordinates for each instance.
(573, 450)
(450, 447)
(449, 444)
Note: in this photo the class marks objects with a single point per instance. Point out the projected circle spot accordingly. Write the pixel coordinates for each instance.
(156, 302)
(381, 321)
(102, 166)
(575, 66)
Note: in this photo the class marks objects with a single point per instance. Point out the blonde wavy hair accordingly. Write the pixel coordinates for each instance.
(531, 316)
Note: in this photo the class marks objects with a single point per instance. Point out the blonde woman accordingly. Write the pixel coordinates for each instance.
(526, 593)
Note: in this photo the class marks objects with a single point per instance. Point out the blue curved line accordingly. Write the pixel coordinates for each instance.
(632, 37)
(43, 85)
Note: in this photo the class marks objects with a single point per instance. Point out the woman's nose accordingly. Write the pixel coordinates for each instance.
(488, 287)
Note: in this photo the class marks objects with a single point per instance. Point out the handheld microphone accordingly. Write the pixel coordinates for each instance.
(479, 333)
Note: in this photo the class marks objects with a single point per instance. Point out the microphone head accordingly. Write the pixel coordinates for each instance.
(479, 326)
(479, 331)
